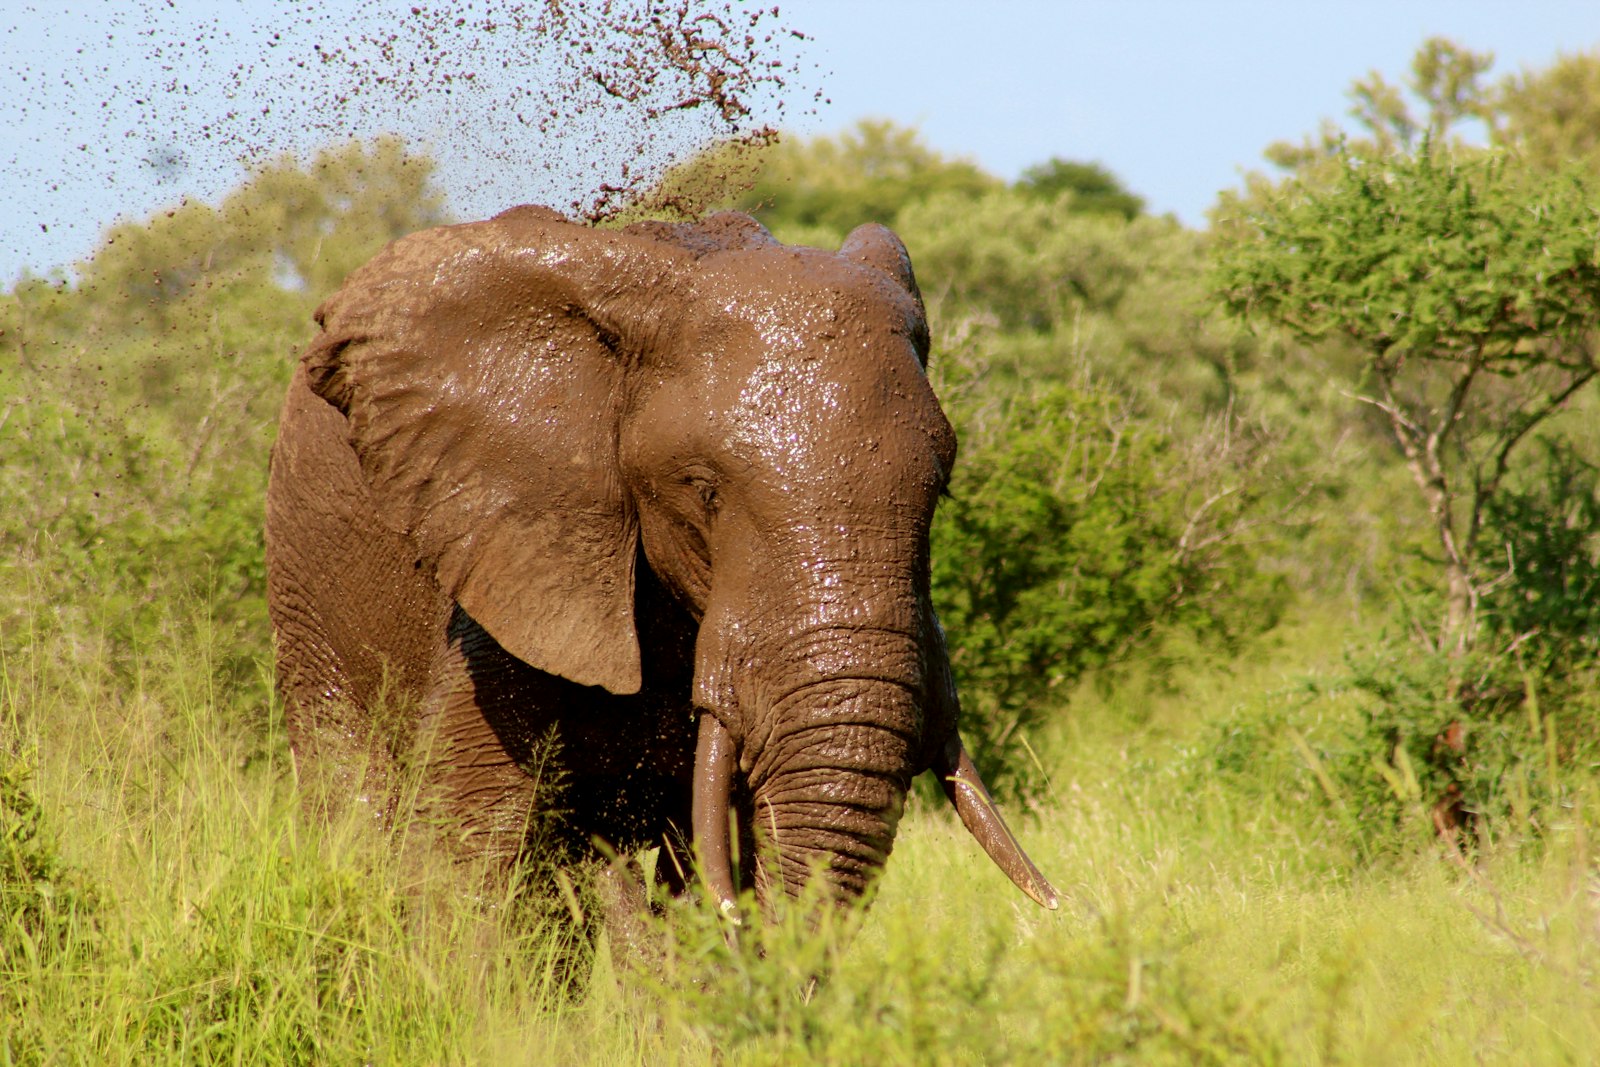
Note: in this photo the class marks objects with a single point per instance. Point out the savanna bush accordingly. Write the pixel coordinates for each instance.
(138, 404)
(1494, 732)
(1112, 991)
(1546, 599)
(1077, 532)
(1497, 742)
(1069, 287)
(41, 896)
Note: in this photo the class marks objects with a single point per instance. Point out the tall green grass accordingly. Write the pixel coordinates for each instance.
(166, 901)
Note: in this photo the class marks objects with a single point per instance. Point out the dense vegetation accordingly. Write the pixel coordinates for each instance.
(1271, 570)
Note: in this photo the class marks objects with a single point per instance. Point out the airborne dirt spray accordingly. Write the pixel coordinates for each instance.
(115, 110)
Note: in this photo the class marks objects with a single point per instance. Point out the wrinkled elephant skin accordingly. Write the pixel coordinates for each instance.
(629, 525)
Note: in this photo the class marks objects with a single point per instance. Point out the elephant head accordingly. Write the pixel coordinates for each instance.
(543, 407)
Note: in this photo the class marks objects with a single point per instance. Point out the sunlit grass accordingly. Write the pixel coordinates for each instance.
(216, 924)
(168, 902)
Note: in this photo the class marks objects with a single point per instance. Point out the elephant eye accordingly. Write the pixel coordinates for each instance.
(708, 495)
(705, 488)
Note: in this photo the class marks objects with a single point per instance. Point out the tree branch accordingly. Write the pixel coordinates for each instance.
(1396, 416)
(1484, 490)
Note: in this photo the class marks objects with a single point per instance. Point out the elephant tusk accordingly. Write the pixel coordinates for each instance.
(972, 802)
(713, 789)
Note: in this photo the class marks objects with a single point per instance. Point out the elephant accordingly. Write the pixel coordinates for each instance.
(643, 511)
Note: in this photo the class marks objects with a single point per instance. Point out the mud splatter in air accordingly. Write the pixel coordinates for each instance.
(117, 109)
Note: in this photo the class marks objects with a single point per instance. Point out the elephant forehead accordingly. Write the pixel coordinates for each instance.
(803, 420)
(793, 295)
(811, 363)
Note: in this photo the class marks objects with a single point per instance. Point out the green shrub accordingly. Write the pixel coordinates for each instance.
(1077, 533)
(1493, 733)
(1116, 990)
(1546, 599)
(138, 404)
(48, 909)
(40, 894)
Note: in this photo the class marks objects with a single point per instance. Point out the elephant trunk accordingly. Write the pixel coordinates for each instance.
(829, 783)
(818, 736)
(712, 809)
(809, 833)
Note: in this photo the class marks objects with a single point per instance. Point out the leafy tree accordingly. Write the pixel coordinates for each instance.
(1068, 287)
(1030, 263)
(1471, 287)
(1551, 117)
(1444, 90)
(1093, 189)
(138, 404)
(1078, 531)
(288, 225)
(817, 190)
(1548, 117)
(1453, 287)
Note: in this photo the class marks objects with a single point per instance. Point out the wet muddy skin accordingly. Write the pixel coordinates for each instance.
(632, 527)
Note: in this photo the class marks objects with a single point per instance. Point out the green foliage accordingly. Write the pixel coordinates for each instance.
(1464, 743)
(1030, 263)
(1547, 117)
(137, 407)
(292, 224)
(1426, 255)
(1443, 92)
(1445, 77)
(1076, 533)
(1489, 732)
(1545, 602)
(815, 191)
(1485, 739)
(1551, 117)
(1467, 283)
(222, 925)
(1050, 288)
(1207, 920)
(44, 902)
(1090, 187)
(1117, 991)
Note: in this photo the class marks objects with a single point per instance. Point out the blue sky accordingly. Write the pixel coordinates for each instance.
(1175, 96)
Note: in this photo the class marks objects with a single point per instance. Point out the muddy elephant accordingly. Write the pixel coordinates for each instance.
(629, 525)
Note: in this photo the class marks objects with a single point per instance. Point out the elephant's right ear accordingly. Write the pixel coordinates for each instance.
(480, 369)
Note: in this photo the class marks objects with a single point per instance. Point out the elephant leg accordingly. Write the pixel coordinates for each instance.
(341, 763)
(351, 613)
(489, 774)
(335, 697)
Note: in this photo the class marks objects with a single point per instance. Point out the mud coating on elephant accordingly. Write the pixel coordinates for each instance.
(657, 496)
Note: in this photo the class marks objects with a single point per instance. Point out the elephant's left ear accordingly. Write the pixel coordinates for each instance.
(877, 246)
(481, 375)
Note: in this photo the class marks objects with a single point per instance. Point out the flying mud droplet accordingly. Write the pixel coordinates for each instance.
(581, 104)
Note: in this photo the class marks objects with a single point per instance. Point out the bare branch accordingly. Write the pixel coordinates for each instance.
(1458, 396)
(1194, 520)
(1395, 414)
